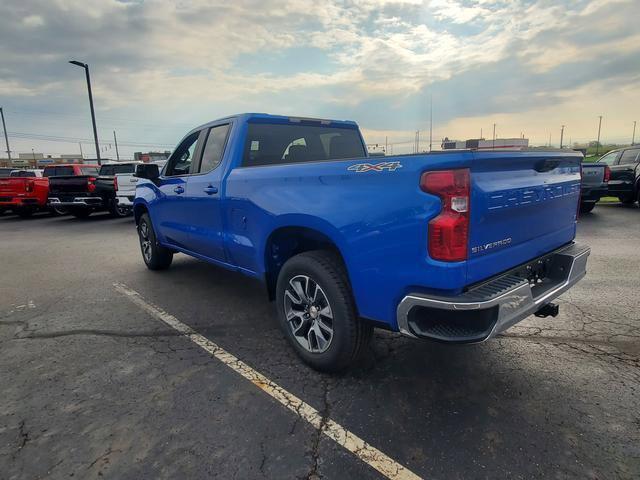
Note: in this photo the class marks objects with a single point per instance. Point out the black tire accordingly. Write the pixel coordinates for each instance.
(24, 212)
(350, 334)
(155, 256)
(587, 207)
(81, 212)
(58, 211)
(626, 200)
(118, 212)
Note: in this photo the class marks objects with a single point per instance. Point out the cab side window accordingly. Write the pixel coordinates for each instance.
(629, 157)
(214, 148)
(181, 161)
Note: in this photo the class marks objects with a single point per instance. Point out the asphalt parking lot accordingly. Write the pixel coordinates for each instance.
(94, 386)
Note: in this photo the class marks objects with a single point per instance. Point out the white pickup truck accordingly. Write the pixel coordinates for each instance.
(125, 184)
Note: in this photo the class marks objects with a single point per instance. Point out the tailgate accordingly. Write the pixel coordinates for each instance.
(68, 184)
(11, 186)
(126, 184)
(592, 174)
(523, 205)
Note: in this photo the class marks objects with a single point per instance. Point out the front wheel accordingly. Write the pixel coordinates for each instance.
(155, 256)
(317, 312)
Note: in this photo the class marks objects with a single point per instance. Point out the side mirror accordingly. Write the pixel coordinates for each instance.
(150, 171)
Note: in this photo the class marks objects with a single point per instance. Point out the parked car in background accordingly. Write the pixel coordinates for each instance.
(108, 183)
(24, 192)
(625, 173)
(72, 189)
(125, 185)
(595, 177)
(452, 246)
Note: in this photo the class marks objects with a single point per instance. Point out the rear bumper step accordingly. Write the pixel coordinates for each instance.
(493, 306)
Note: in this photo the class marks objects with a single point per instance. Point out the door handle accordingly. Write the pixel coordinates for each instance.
(210, 190)
(178, 189)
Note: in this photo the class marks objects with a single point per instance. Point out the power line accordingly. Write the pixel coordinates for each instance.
(61, 139)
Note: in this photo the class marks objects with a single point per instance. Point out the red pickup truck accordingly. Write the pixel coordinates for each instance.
(24, 192)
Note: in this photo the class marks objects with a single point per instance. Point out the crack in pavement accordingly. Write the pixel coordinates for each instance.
(97, 332)
(324, 418)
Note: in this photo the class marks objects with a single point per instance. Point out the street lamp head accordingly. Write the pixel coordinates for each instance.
(80, 64)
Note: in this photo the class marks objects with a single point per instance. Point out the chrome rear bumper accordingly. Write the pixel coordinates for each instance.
(76, 202)
(491, 307)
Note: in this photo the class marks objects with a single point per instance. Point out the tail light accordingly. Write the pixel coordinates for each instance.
(607, 174)
(449, 231)
(115, 183)
(91, 186)
(29, 186)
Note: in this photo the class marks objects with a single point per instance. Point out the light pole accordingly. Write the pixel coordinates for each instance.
(6, 137)
(598, 141)
(633, 137)
(561, 135)
(93, 115)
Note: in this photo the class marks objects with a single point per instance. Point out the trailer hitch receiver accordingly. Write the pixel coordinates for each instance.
(549, 310)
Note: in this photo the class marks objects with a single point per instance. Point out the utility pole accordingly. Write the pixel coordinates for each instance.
(81, 154)
(115, 140)
(93, 115)
(549, 140)
(598, 141)
(6, 138)
(430, 121)
(494, 136)
(561, 135)
(633, 137)
(480, 133)
(386, 144)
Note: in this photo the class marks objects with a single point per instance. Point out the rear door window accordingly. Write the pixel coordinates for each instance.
(214, 148)
(629, 157)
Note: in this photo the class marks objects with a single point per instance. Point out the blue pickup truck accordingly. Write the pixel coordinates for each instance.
(454, 246)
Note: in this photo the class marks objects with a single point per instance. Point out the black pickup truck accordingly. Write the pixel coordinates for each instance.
(106, 187)
(625, 173)
(83, 190)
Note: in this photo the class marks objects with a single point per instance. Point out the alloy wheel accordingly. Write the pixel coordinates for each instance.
(308, 313)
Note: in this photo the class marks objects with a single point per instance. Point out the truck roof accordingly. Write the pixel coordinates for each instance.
(269, 118)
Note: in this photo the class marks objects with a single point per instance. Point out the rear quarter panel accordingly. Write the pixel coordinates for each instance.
(378, 220)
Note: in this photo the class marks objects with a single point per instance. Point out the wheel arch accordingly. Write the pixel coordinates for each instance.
(286, 241)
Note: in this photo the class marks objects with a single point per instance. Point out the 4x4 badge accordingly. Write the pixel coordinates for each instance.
(376, 167)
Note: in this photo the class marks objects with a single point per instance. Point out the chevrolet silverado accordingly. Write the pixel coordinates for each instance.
(453, 246)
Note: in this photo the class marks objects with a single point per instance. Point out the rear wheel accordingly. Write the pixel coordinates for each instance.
(59, 211)
(587, 207)
(155, 256)
(118, 211)
(317, 312)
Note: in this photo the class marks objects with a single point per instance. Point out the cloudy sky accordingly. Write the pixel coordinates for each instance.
(161, 67)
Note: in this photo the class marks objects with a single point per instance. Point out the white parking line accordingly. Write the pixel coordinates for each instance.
(361, 449)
